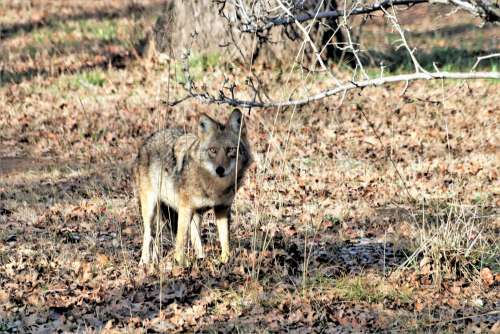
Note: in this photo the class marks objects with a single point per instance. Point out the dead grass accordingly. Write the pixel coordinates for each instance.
(454, 242)
(339, 198)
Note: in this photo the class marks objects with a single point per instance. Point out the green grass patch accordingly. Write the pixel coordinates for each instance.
(362, 289)
(204, 62)
(93, 78)
(199, 64)
(335, 220)
(370, 290)
(63, 32)
(102, 30)
(357, 289)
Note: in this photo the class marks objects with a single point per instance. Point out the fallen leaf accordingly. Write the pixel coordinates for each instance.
(453, 302)
(419, 306)
(4, 296)
(487, 276)
(425, 266)
(86, 271)
(102, 260)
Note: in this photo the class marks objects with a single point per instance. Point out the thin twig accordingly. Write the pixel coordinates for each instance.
(479, 59)
(310, 42)
(176, 102)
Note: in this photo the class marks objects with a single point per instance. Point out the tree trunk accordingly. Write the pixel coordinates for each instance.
(158, 39)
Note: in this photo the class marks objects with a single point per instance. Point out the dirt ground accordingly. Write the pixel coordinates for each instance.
(378, 212)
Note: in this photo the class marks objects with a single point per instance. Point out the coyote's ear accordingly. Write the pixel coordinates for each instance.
(235, 120)
(206, 125)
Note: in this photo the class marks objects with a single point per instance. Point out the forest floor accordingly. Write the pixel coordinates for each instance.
(378, 212)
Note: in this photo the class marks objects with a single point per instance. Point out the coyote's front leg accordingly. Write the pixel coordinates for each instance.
(147, 203)
(185, 216)
(222, 221)
(196, 237)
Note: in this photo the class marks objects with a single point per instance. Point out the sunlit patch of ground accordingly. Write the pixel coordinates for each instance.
(324, 227)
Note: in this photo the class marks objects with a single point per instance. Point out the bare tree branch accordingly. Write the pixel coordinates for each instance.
(224, 99)
(311, 43)
(252, 28)
(479, 59)
(285, 12)
(488, 10)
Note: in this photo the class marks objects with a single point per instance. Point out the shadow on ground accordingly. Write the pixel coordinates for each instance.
(104, 54)
(85, 181)
(113, 289)
(132, 10)
(116, 289)
(91, 308)
(119, 60)
(181, 302)
(100, 54)
(444, 31)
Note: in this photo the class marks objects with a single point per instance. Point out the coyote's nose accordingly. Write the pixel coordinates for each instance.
(220, 171)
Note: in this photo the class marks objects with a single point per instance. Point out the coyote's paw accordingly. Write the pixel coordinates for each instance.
(181, 261)
(224, 258)
(145, 259)
(149, 260)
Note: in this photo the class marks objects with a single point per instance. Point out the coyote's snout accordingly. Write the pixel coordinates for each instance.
(191, 174)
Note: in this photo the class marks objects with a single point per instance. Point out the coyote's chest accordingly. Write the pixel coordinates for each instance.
(211, 197)
(197, 194)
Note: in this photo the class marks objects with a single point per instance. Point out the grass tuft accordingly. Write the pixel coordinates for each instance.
(453, 242)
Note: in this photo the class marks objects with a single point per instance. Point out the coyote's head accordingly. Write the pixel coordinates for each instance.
(223, 149)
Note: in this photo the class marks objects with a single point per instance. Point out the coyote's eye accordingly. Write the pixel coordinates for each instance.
(212, 151)
(231, 152)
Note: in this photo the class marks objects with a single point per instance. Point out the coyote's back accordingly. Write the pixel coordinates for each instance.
(190, 174)
(158, 150)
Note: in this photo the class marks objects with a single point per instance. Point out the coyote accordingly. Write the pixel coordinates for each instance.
(190, 174)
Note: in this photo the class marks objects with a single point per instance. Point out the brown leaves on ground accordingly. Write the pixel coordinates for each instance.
(323, 223)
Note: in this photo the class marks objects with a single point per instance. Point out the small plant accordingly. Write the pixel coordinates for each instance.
(370, 289)
(92, 78)
(106, 30)
(204, 62)
(356, 289)
(334, 220)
